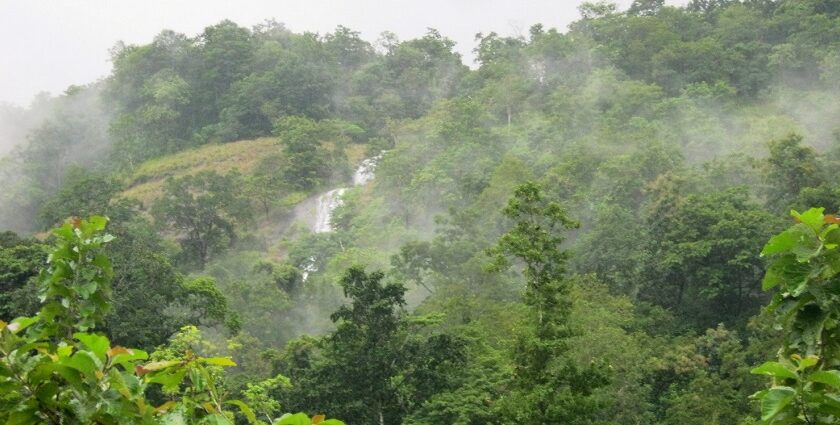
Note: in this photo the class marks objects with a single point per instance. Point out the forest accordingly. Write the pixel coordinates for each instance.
(628, 221)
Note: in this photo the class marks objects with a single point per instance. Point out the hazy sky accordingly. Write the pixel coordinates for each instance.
(47, 45)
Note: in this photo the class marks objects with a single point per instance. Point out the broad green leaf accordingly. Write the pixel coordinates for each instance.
(126, 358)
(785, 269)
(827, 377)
(98, 222)
(216, 419)
(776, 370)
(23, 417)
(828, 409)
(22, 323)
(828, 404)
(772, 278)
(808, 362)
(69, 374)
(219, 361)
(82, 361)
(332, 422)
(64, 232)
(814, 218)
(156, 366)
(97, 344)
(46, 392)
(807, 249)
(831, 235)
(787, 240)
(776, 399)
(169, 379)
(245, 409)
(43, 372)
(296, 419)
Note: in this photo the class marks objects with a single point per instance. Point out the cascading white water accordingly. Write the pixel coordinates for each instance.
(364, 173)
(308, 268)
(327, 202)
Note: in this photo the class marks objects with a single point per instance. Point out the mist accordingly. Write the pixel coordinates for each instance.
(424, 213)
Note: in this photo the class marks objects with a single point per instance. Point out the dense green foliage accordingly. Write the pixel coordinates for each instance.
(55, 370)
(805, 379)
(569, 233)
(549, 388)
(202, 210)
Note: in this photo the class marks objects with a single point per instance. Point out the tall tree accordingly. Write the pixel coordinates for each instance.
(395, 368)
(790, 168)
(700, 258)
(203, 210)
(549, 387)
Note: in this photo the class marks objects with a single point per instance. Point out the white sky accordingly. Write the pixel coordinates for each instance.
(47, 45)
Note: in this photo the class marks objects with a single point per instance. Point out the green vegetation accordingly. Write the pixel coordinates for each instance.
(805, 379)
(569, 233)
(55, 370)
(146, 181)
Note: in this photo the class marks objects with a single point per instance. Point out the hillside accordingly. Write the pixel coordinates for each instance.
(629, 221)
(146, 181)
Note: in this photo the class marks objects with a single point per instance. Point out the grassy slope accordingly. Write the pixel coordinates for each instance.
(146, 182)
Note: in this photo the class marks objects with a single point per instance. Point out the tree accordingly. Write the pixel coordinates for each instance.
(790, 168)
(826, 194)
(707, 6)
(296, 85)
(714, 364)
(645, 7)
(368, 336)
(203, 210)
(548, 387)
(305, 161)
(700, 260)
(82, 194)
(224, 55)
(419, 72)
(396, 369)
(157, 126)
(145, 286)
(19, 263)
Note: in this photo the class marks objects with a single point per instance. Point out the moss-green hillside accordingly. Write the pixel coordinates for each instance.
(146, 182)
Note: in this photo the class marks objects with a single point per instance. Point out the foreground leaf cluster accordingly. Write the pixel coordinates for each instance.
(50, 376)
(805, 384)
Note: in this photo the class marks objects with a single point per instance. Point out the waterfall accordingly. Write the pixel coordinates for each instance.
(327, 202)
(308, 268)
(364, 173)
